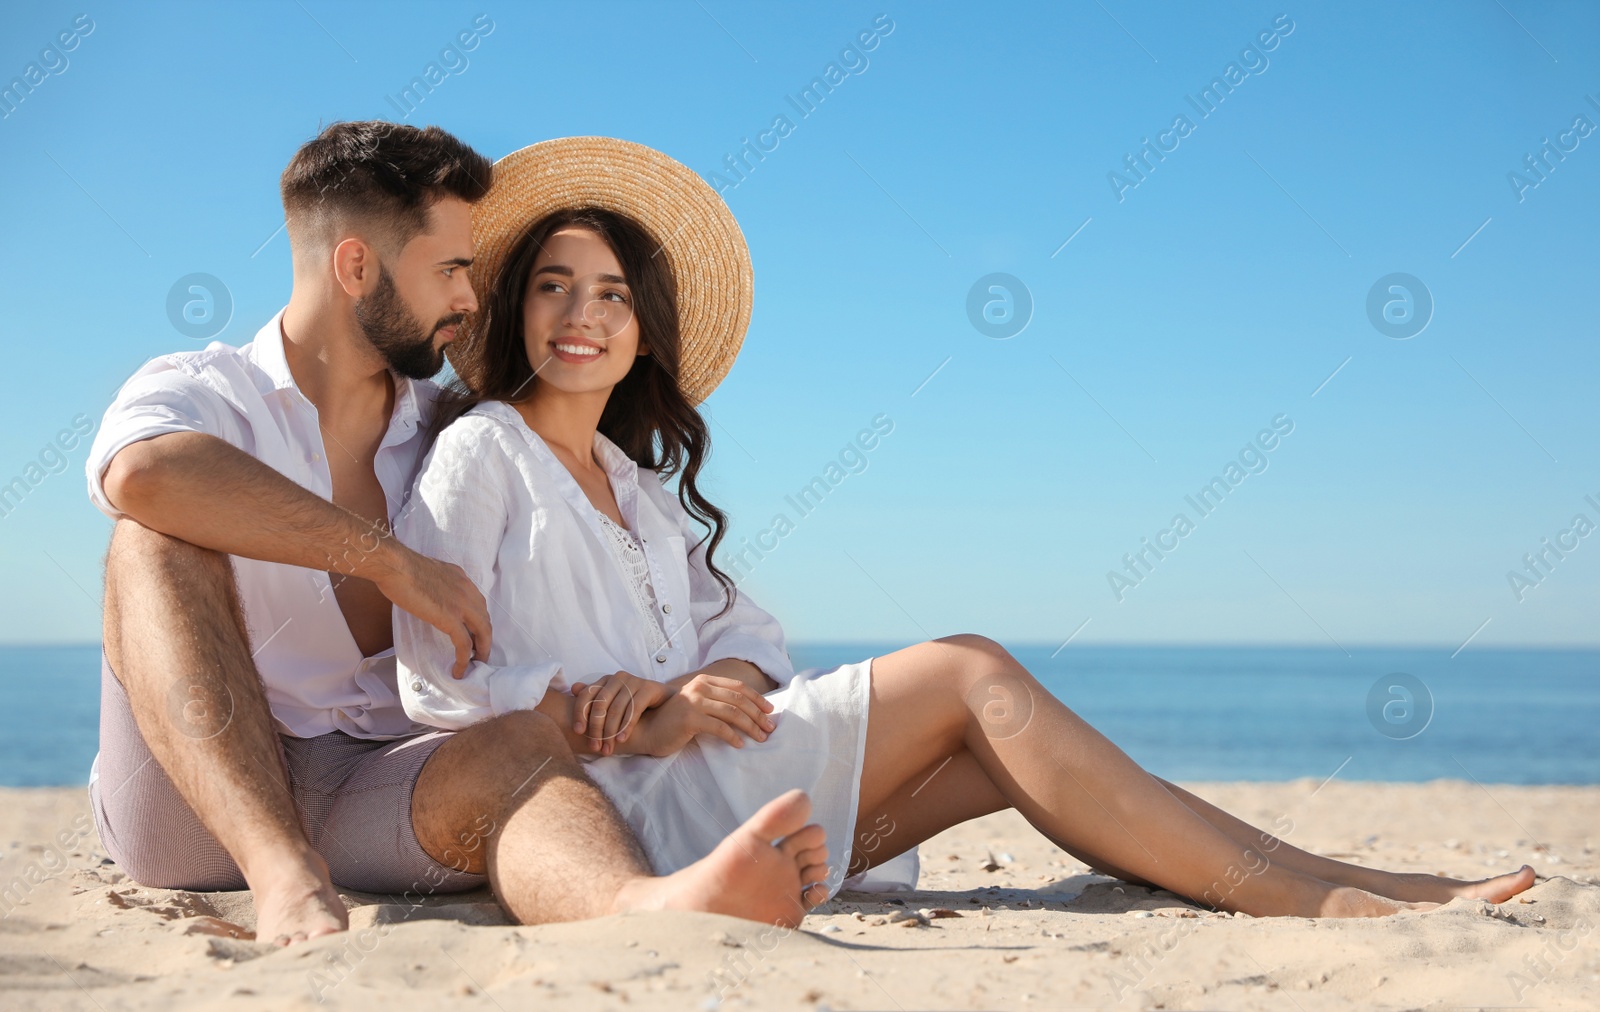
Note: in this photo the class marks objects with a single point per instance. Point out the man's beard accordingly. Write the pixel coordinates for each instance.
(396, 335)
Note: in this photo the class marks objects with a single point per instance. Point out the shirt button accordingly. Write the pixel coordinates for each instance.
(416, 686)
(667, 609)
(661, 658)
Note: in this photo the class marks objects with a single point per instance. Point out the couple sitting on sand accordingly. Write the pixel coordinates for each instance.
(364, 632)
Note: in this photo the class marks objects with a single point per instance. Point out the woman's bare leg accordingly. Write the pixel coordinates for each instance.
(907, 819)
(964, 792)
(1395, 885)
(931, 700)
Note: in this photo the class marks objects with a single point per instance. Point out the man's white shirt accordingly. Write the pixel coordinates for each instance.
(316, 678)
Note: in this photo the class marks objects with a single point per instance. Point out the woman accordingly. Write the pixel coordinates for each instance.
(581, 375)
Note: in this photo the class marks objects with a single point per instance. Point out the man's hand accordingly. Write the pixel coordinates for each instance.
(725, 708)
(438, 593)
(610, 708)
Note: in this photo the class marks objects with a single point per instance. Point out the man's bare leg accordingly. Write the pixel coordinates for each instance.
(176, 639)
(507, 797)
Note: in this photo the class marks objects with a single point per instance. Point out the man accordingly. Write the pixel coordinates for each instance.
(251, 732)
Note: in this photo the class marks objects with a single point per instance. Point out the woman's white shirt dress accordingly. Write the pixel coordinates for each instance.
(568, 597)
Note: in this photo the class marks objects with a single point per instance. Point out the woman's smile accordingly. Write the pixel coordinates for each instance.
(577, 349)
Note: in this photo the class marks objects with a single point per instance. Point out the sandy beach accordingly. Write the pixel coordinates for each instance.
(1002, 920)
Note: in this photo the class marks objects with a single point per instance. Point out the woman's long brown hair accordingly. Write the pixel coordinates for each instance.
(647, 415)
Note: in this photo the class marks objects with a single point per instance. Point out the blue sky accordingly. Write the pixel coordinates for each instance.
(1218, 294)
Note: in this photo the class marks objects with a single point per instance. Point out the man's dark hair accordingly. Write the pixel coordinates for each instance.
(376, 179)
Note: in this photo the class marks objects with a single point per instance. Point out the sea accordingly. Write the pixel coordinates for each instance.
(1491, 716)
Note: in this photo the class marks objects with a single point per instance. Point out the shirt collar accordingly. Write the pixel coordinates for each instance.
(270, 356)
(407, 408)
(617, 464)
(408, 393)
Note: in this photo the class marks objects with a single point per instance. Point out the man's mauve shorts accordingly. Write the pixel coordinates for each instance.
(353, 796)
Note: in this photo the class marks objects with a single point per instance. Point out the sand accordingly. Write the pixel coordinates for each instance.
(1015, 924)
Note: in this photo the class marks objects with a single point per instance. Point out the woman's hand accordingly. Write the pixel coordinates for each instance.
(706, 704)
(731, 667)
(609, 709)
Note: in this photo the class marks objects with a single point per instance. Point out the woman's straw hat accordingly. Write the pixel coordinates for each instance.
(694, 228)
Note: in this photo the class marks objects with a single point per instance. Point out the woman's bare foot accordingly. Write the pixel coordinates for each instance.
(1437, 889)
(1348, 901)
(296, 901)
(1284, 893)
(748, 875)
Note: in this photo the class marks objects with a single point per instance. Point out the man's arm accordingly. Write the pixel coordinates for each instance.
(207, 492)
(201, 489)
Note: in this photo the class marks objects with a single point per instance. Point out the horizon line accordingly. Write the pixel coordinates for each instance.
(1050, 644)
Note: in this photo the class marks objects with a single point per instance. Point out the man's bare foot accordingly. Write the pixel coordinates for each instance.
(296, 901)
(748, 875)
(1442, 890)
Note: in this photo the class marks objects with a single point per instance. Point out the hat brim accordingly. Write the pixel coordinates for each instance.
(696, 232)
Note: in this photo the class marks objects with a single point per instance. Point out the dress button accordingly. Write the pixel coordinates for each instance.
(667, 609)
(661, 658)
(416, 686)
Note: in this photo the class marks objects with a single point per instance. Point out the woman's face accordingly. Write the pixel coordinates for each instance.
(578, 322)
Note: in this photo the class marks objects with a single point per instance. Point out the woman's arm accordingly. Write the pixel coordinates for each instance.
(731, 667)
(561, 707)
(743, 642)
(707, 704)
(458, 512)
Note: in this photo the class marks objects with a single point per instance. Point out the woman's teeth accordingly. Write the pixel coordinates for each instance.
(577, 349)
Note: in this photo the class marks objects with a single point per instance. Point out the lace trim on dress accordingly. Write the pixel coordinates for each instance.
(631, 556)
